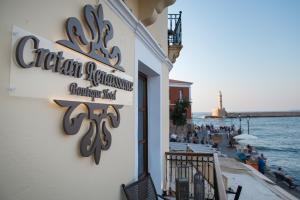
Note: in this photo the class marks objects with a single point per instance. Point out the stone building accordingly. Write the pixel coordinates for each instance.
(180, 90)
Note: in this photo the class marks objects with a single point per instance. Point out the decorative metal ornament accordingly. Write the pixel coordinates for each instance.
(98, 137)
(101, 31)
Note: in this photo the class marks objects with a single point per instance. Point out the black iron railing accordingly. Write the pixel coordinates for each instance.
(200, 170)
(174, 29)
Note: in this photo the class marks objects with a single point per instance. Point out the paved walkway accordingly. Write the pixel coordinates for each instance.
(230, 152)
(225, 149)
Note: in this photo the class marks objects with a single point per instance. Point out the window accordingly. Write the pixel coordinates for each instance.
(142, 125)
(180, 95)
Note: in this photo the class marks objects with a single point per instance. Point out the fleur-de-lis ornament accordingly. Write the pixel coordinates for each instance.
(101, 31)
(98, 137)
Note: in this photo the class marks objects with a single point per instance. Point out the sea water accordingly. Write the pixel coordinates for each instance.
(278, 139)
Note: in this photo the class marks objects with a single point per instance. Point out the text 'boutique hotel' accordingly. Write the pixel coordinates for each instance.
(84, 90)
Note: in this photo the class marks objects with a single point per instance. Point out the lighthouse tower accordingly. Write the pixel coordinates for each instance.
(219, 112)
(220, 101)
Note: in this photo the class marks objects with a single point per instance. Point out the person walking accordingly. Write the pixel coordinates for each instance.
(261, 165)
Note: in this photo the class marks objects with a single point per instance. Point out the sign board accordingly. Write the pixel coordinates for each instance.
(78, 79)
(74, 72)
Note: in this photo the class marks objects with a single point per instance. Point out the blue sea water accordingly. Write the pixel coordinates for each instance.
(278, 139)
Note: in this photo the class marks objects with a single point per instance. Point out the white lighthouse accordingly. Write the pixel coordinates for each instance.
(219, 112)
(220, 101)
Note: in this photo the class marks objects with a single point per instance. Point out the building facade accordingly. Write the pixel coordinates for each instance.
(180, 90)
(84, 95)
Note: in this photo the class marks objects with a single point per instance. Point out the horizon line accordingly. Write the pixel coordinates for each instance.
(298, 110)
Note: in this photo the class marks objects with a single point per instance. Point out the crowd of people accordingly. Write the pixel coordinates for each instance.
(203, 135)
(210, 128)
(207, 134)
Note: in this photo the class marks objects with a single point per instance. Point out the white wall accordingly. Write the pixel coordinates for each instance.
(147, 63)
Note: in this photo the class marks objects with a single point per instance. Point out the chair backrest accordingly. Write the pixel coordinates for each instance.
(142, 189)
(238, 193)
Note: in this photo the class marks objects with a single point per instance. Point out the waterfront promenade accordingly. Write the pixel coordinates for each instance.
(236, 173)
(230, 152)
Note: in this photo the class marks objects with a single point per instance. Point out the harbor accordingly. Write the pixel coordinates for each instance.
(236, 171)
(220, 112)
(257, 151)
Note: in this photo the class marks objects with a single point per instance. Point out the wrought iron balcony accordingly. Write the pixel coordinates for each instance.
(193, 176)
(174, 36)
(174, 29)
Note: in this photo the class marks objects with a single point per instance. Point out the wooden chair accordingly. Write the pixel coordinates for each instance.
(142, 189)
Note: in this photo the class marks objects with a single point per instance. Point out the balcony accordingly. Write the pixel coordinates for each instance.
(191, 175)
(174, 36)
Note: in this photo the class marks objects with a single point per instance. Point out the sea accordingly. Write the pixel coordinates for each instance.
(278, 139)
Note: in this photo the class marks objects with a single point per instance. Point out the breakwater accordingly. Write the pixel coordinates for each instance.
(260, 114)
(263, 114)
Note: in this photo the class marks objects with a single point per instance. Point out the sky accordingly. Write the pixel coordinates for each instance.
(248, 49)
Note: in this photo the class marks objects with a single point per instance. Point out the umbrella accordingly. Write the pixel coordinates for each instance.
(173, 136)
(245, 137)
(245, 142)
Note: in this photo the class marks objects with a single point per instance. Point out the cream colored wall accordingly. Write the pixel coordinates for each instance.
(159, 30)
(133, 5)
(38, 160)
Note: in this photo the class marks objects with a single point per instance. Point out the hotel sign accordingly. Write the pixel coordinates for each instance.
(55, 62)
(75, 72)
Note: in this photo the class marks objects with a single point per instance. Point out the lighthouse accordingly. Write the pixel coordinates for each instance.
(220, 101)
(220, 111)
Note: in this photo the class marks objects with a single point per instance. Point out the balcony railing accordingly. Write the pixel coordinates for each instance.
(201, 172)
(174, 29)
(174, 36)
